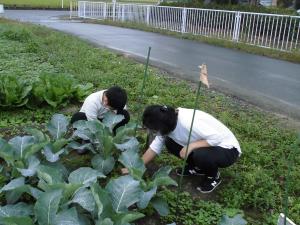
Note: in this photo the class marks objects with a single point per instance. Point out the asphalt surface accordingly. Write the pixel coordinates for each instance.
(271, 84)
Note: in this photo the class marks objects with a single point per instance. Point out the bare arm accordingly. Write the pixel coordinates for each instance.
(148, 156)
(194, 146)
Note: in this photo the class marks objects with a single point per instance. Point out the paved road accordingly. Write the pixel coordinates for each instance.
(271, 84)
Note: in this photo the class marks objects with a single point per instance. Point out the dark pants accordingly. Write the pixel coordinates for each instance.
(208, 159)
(81, 116)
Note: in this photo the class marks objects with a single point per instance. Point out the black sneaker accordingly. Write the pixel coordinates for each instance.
(209, 184)
(188, 171)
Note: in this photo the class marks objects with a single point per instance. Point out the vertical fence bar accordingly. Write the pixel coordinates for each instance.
(297, 36)
(279, 33)
(84, 3)
(183, 20)
(288, 35)
(236, 29)
(264, 29)
(148, 15)
(294, 29)
(284, 30)
(71, 10)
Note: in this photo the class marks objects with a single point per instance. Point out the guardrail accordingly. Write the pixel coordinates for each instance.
(280, 32)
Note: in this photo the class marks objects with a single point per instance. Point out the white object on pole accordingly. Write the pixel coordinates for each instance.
(1, 8)
(62, 4)
(281, 220)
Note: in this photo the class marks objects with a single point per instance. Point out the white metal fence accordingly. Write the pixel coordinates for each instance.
(274, 31)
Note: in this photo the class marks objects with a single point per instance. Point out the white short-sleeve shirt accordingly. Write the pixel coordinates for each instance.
(205, 127)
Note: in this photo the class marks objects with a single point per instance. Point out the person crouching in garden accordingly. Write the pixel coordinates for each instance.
(98, 103)
(212, 144)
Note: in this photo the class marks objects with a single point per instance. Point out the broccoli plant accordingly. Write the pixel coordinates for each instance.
(98, 137)
(42, 191)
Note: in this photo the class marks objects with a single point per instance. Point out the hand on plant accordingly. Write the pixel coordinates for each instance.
(124, 171)
(183, 150)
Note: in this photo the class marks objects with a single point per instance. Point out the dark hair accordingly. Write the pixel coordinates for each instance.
(116, 97)
(160, 118)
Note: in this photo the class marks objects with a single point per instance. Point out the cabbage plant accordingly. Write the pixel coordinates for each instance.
(42, 191)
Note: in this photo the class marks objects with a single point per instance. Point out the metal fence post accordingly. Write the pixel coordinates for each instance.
(148, 15)
(114, 10)
(237, 25)
(183, 19)
(84, 9)
(123, 13)
(104, 10)
(71, 9)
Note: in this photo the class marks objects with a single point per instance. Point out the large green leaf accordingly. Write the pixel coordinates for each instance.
(131, 159)
(13, 184)
(34, 192)
(6, 151)
(126, 218)
(12, 196)
(124, 192)
(38, 135)
(103, 202)
(16, 220)
(50, 155)
(84, 135)
(49, 174)
(34, 149)
(59, 167)
(58, 126)
(85, 175)
(84, 197)
(146, 197)
(20, 144)
(106, 221)
(33, 164)
(67, 217)
(68, 190)
(236, 220)
(94, 126)
(124, 132)
(75, 145)
(18, 210)
(161, 177)
(160, 205)
(111, 119)
(131, 143)
(103, 165)
(46, 207)
(106, 143)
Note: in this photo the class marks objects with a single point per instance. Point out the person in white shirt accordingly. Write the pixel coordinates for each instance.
(98, 103)
(212, 144)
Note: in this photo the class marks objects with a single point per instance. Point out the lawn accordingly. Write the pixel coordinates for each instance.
(54, 4)
(253, 187)
(36, 3)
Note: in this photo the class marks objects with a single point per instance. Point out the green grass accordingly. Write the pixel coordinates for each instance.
(35, 3)
(255, 184)
(55, 4)
(293, 56)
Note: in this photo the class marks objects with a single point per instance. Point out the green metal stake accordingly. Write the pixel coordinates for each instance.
(142, 90)
(187, 147)
(287, 183)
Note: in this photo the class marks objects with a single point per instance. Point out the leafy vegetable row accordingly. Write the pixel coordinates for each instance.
(53, 89)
